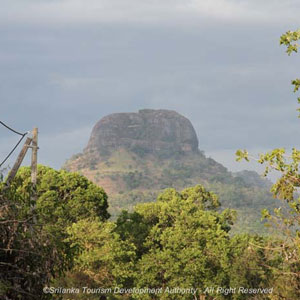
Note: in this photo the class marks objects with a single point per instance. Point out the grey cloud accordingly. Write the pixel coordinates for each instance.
(152, 11)
(227, 74)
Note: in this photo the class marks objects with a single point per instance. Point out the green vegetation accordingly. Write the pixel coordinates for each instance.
(130, 179)
(183, 240)
(33, 228)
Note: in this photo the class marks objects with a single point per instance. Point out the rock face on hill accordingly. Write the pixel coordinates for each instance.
(162, 133)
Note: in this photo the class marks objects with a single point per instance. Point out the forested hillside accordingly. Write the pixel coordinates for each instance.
(135, 156)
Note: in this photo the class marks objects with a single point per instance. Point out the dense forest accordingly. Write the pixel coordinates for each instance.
(180, 243)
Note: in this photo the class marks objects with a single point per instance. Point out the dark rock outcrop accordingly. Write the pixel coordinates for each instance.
(157, 132)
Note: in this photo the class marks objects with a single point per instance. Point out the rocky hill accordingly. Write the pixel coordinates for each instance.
(134, 156)
(162, 133)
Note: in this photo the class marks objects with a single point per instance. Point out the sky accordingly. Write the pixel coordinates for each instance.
(64, 64)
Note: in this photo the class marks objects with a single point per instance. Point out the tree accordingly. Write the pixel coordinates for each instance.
(285, 218)
(183, 241)
(33, 230)
(104, 260)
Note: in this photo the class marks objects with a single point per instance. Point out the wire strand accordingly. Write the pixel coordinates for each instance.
(9, 128)
(14, 148)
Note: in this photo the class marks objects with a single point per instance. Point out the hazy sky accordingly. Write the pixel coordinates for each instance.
(64, 64)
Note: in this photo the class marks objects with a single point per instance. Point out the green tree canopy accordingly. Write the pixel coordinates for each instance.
(181, 240)
(33, 227)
